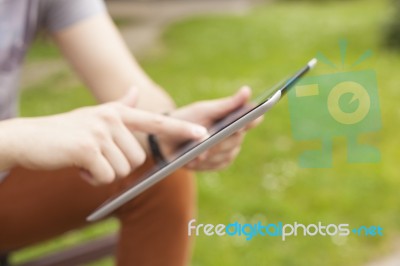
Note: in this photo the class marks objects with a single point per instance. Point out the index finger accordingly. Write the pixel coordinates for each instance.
(159, 124)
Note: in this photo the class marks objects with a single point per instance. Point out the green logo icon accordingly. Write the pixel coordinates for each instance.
(340, 104)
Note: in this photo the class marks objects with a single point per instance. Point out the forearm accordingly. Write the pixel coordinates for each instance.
(99, 55)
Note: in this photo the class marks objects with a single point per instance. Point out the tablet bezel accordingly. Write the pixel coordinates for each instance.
(159, 172)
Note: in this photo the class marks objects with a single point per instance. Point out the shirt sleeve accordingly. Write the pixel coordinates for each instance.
(56, 15)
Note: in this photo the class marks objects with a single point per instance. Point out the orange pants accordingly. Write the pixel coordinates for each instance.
(38, 205)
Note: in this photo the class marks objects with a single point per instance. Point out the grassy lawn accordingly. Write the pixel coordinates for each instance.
(211, 56)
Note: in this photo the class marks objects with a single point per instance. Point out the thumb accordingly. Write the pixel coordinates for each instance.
(221, 107)
(130, 98)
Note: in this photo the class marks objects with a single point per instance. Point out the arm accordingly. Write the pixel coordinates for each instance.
(97, 52)
(100, 57)
(97, 139)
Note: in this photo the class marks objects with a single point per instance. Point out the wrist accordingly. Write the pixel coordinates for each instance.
(155, 149)
(158, 149)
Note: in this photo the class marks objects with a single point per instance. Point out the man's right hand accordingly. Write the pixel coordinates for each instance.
(98, 139)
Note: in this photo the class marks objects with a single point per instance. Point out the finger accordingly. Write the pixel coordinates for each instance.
(159, 124)
(223, 157)
(199, 159)
(129, 146)
(100, 169)
(228, 144)
(215, 162)
(85, 175)
(221, 107)
(116, 159)
(254, 123)
(221, 150)
(192, 165)
(203, 156)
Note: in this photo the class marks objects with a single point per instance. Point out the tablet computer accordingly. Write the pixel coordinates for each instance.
(218, 132)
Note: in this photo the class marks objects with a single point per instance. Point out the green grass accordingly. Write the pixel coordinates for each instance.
(211, 56)
(42, 48)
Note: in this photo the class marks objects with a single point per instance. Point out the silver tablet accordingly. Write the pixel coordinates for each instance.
(218, 132)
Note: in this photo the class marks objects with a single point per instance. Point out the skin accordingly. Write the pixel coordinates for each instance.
(109, 140)
(206, 113)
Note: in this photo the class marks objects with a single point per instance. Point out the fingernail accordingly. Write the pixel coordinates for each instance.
(199, 131)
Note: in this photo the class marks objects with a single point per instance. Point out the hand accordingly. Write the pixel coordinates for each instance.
(206, 113)
(96, 139)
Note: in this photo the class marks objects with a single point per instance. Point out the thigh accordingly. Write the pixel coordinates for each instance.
(39, 205)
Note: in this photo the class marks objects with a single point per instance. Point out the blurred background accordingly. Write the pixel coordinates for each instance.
(206, 49)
